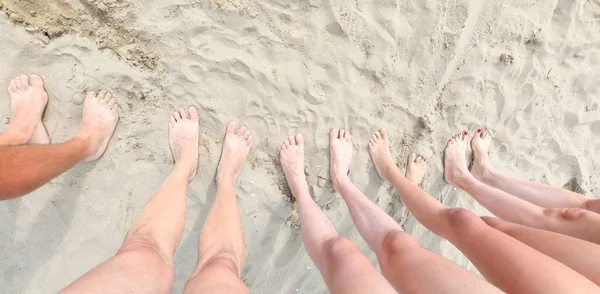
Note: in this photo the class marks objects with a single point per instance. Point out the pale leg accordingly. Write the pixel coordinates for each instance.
(343, 267)
(407, 266)
(222, 249)
(534, 192)
(144, 264)
(575, 222)
(507, 263)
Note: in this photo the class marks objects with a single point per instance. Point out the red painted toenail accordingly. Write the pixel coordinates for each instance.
(479, 130)
(466, 132)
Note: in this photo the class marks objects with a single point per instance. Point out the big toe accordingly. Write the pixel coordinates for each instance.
(37, 82)
(299, 139)
(193, 113)
(231, 127)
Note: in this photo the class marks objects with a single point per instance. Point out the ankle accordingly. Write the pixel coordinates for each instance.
(16, 136)
(224, 179)
(339, 181)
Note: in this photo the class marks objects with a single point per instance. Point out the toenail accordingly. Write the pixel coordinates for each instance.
(466, 132)
(479, 130)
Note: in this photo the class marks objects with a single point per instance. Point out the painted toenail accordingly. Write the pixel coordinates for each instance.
(479, 130)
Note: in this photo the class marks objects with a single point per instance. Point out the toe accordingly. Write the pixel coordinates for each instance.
(24, 82)
(101, 95)
(241, 131)
(231, 126)
(18, 83)
(465, 135)
(107, 97)
(341, 133)
(292, 140)
(383, 133)
(177, 116)
(299, 139)
(112, 102)
(333, 133)
(286, 143)
(37, 81)
(247, 134)
(249, 142)
(193, 111)
(172, 120)
(12, 87)
(182, 113)
(412, 158)
(90, 95)
(485, 134)
(378, 135)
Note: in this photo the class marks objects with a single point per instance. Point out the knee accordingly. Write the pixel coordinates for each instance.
(339, 247)
(142, 253)
(218, 274)
(566, 213)
(460, 218)
(397, 243)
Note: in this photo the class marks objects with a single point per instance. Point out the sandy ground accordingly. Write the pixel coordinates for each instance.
(527, 70)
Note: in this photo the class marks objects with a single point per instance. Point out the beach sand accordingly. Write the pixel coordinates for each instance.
(425, 70)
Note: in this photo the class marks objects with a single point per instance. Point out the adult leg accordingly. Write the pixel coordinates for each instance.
(409, 267)
(580, 255)
(28, 100)
(534, 192)
(144, 264)
(222, 249)
(24, 168)
(507, 263)
(575, 222)
(343, 267)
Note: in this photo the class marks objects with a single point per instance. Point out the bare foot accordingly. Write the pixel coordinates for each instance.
(415, 169)
(292, 162)
(100, 117)
(183, 139)
(379, 148)
(235, 150)
(340, 150)
(481, 145)
(28, 100)
(455, 163)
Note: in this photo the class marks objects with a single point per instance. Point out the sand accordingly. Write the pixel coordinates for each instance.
(526, 70)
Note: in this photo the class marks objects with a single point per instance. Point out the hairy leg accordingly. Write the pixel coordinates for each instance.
(577, 254)
(25, 168)
(534, 192)
(494, 253)
(144, 264)
(222, 249)
(576, 222)
(408, 266)
(343, 267)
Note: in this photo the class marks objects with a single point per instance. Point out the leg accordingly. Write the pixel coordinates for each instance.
(409, 267)
(534, 192)
(222, 249)
(576, 222)
(343, 267)
(144, 264)
(27, 102)
(27, 167)
(577, 254)
(494, 253)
